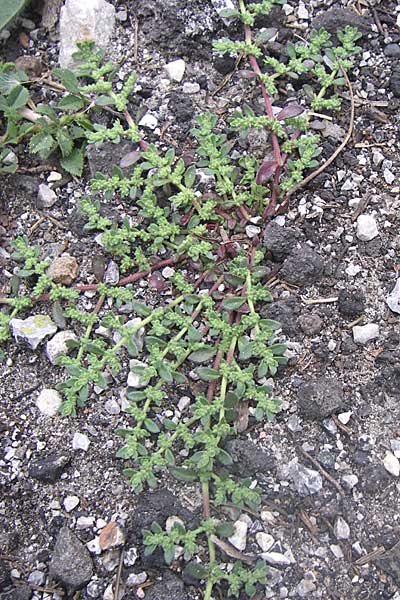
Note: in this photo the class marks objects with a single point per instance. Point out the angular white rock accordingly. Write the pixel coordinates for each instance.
(341, 529)
(391, 464)
(264, 540)
(302, 11)
(58, 345)
(46, 196)
(190, 87)
(176, 69)
(149, 121)
(367, 229)
(276, 559)
(80, 441)
(362, 334)
(393, 300)
(136, 381)
(49, 402)
(33, 329)
(81, 21)
(238, 539)
(70, 502)
(388, 176)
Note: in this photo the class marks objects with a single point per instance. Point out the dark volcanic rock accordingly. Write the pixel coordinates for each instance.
(71, 563)
(310, 323)
(390, 562)
(351, 304)
(49, 469)
(280, 241)
(4, 574)
(302, 267)
(337, 18)
(158, 506)
(248, 459)
(169, 588)
(320, 398)
(375, 479)
(395, 82)
(102, 157)
(286, 312)
(224, 64)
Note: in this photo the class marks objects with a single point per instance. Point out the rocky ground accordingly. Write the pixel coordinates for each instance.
(329, 464)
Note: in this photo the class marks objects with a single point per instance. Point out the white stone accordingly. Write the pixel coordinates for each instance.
(252, 231)
(353, 270)
(149, 121)
(137, 336)
(336, 551)
(183, 403)
(81, 21)
(46, 196)
(49, 402)
(377, 158)
(80, 441)
(70, 502)
(176, 69)
(367, 229)
(54, 176)
(302, 11)
(167, 272)
(130, 556)
(84, 522)
(276, 559)
(345, 417)
(393, 299)
(391, 464)
(172, 521)
(112, 407)
(395, 446)
(238, 539)
(264, 540)
(350, 481)
(33, 329)
(37, 578)
(362, 334)
(135, 381)
(191, 87)
(341, 529)
(58, 345)
(135, 579)
(388, 176)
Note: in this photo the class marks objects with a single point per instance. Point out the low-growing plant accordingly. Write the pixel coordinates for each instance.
(9, 9)
(210, 331)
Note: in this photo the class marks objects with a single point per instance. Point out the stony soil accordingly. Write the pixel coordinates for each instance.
(341, 398)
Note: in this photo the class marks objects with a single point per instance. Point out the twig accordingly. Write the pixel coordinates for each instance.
(333, 156)
(117, 582)
(362, 205)
(313, 529)
(321, 300)
(376, 18)
(135, 39)
(341, 426)
(371, 556)
(323, 472)
(38, 169)
(40, 588)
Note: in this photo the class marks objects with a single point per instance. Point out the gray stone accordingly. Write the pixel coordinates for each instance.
(58, 345)
(49, 469)
(319, 398)
(336, 19)
(4, 574)
(135, 579)
(310, 323)
(176, 69)
(306, 481)
(248, 459)
(111, 275)
(276, 559)
(46, 196)
(351, 304)
(393, 50)
(393, 299)
(71, 563)
(191, 87)
(170, 587)
(36, 578)
(367, 228)
(80, 21)
(303, 266)
(341, 529)
(33, 329)
(103, 157)
(112, 407)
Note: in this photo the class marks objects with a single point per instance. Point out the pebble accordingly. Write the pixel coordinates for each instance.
(392, 50)
(362, 334)
(80, 441)
(84, 523)
(276, 559)
(306, 481)
(70, 502)
(63, 269)
(345, 417)
(238, 539)
(37, 578)
(377, 158)
(167, 272)
(336, 551)
(264, 540)
(49, 469)
(341, 529)
(252, 231)
(58, 346)
(388, 176)
(350, 481)
(33, 329)
(46, 196)
(112, 407)
(136, 579)
(305, 587)
(121, 15)
(135, 381)
(176, 69)
(111, 275)
(149, 121)
(302, 11)
(395, 446)
(49, 402)
(130, 557)
(393, 299)
(54, 176)
(111, 536)
(367, 229)
(391, 464)
(191, 87)
(183, 403)
(94, 589)
(70, 563)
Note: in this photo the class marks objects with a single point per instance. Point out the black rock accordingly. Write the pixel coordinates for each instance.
(49, 469)
(320, 398)
(375, 479)
(392, 50)
(302, 267)
(336, 19)
(389, 379)
(169, 588)
(102, 157)
(224, 64)
(286, 312)
(4, 574)
(181, 107)
(390, 562)
(310, 323)
(71, 563)
(248, 459)
(351, 304)
(280, 241)
(395, 82)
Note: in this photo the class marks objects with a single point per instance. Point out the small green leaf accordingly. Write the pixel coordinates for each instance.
(71, 102)
(233, 302)
(104, 101)
(139, 308)
(195, 570)
(165, 373)
(184, 474)
(64, 141)
(229, 13)
(151, 426)
(73, 163)
(225, 529)
(169, 554)
(190, 176)
(202, 355)
(42, 143)
(18, 97)
(207, 374)
(68, 79)
(224, 457)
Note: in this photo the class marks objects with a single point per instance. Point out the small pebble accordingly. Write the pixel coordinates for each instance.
(341, 529)
(362, 334)
(388, 176)
(191, 87)
(302, 11)
(80, 441)
(149, 121)
(367, 229)
(391, 464)
(136, 579)
(252, 231)
(46, 196)
(112, 407)
(70, 502)
(264, 540)
(238, 539)
(49, 402)
(176, 69)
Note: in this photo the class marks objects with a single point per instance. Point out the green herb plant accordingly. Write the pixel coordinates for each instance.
(208, 338)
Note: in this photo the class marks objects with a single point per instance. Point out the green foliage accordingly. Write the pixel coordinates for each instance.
(9, 9)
